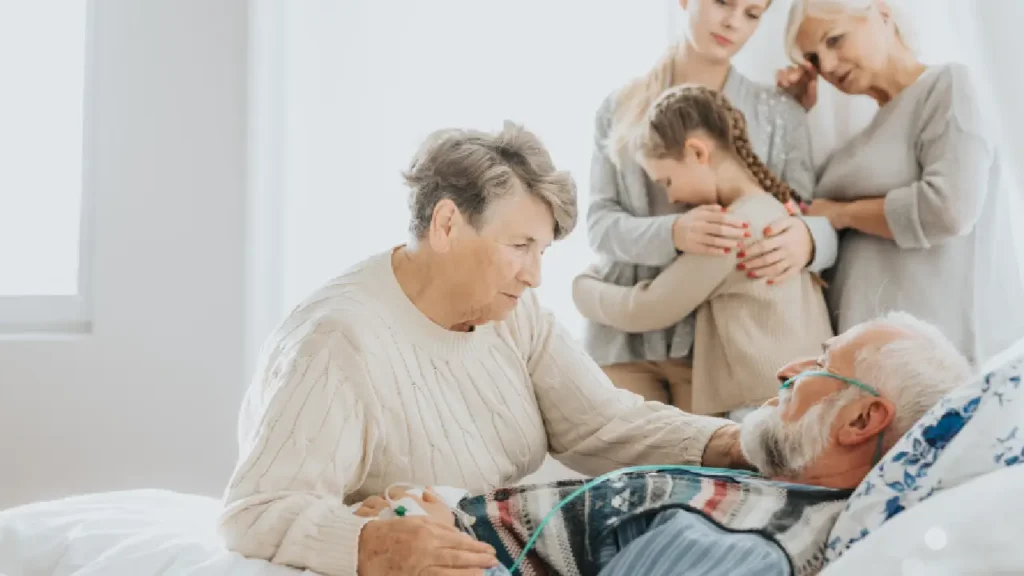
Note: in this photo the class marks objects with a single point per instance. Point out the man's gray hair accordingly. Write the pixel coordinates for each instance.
(913, 371)
(473, 168)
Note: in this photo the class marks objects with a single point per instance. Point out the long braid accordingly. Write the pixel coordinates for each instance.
(745, 151)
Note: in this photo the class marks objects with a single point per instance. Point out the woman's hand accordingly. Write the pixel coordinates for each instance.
(709, 230)
(420, 545)
(431, 503)
(834, 211)
(800, 82)
(785, 250)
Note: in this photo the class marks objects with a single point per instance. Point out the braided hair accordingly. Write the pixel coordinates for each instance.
(683, 109)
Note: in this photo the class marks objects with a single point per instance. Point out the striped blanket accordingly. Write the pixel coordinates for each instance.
(797, 518)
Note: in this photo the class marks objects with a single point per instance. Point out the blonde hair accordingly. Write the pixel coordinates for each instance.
(632, 103)
(685, 109)
(800, 10)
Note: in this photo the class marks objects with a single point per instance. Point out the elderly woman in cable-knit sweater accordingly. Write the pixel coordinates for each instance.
(433, 363)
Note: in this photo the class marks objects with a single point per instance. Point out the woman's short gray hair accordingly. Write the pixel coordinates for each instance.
(473, 168)
(800, 10)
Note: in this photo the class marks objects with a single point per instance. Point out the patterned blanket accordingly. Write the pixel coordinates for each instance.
(797, 518)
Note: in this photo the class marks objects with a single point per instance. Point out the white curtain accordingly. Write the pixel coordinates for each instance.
(360, 83)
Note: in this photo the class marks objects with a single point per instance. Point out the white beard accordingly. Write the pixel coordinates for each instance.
(784, 450)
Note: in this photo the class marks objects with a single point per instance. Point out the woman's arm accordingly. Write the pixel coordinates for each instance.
(652, 305)
(283, 503)
(614, 232)
(798, 172)
(594, 427)
(956, 158)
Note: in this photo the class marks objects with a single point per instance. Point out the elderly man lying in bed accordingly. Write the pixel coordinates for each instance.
(834, 417)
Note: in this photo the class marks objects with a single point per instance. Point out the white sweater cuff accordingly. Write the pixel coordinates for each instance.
(328, 545)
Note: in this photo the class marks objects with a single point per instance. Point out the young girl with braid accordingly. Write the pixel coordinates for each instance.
(695, 144)
(637, 232)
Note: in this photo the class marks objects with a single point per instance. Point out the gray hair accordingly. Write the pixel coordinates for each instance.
(473, 168)
(913, 371)
(803, 9)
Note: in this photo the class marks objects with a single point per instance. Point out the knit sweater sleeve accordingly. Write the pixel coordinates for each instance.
(592, 426)
(309, 442)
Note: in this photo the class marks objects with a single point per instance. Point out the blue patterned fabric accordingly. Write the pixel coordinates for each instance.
(974, 430)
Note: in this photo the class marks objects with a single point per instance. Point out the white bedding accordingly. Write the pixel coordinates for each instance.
(133, 533)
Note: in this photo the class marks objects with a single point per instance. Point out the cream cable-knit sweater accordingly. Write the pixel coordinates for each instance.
(358, 389)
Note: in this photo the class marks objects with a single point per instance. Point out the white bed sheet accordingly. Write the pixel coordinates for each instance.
(975, 528)
(130, 533)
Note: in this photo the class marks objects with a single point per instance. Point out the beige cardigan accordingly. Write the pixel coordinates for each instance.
(745, 329)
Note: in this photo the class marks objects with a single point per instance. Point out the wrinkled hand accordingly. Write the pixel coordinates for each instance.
(421, 546)
(800, 82)
(709, 230)
(830, 209)
(784, 251)
(431, 503)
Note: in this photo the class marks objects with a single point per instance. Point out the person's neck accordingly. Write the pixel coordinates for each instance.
(420, 274)
(734, 183)
(693, 68)
(903, 70)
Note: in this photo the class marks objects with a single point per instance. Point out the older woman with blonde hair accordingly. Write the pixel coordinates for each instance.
(920, 196)
(432, 363)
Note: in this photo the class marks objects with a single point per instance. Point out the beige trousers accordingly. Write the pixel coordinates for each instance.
(666, 381)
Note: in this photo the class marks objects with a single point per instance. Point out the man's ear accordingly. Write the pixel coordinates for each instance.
(698, 149)
(443, 223)
(865, 421)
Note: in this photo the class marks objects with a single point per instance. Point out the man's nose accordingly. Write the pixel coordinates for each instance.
(794, 368)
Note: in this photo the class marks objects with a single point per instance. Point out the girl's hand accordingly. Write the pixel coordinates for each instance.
(709, 230)
(784, 251)
(800, 82)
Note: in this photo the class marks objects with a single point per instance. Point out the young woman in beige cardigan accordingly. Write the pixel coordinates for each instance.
(695, 145)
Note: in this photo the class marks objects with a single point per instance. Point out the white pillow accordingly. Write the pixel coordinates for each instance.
(975, 528)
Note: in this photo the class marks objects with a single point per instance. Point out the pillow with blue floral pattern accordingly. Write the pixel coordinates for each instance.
(973, 430)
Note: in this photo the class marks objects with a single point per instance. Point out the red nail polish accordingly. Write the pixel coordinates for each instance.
(741, 254)
(751, 275)
(770, 282)
(741, 267)
(728, 250)
(746, 234)
(768, 231)
(723, 208)
(746, 224)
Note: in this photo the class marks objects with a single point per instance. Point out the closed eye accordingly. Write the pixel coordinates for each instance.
(833, 41)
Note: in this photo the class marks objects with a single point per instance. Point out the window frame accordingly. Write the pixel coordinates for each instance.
(72, 314)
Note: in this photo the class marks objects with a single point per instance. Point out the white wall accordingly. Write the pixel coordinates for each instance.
(150, 398)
